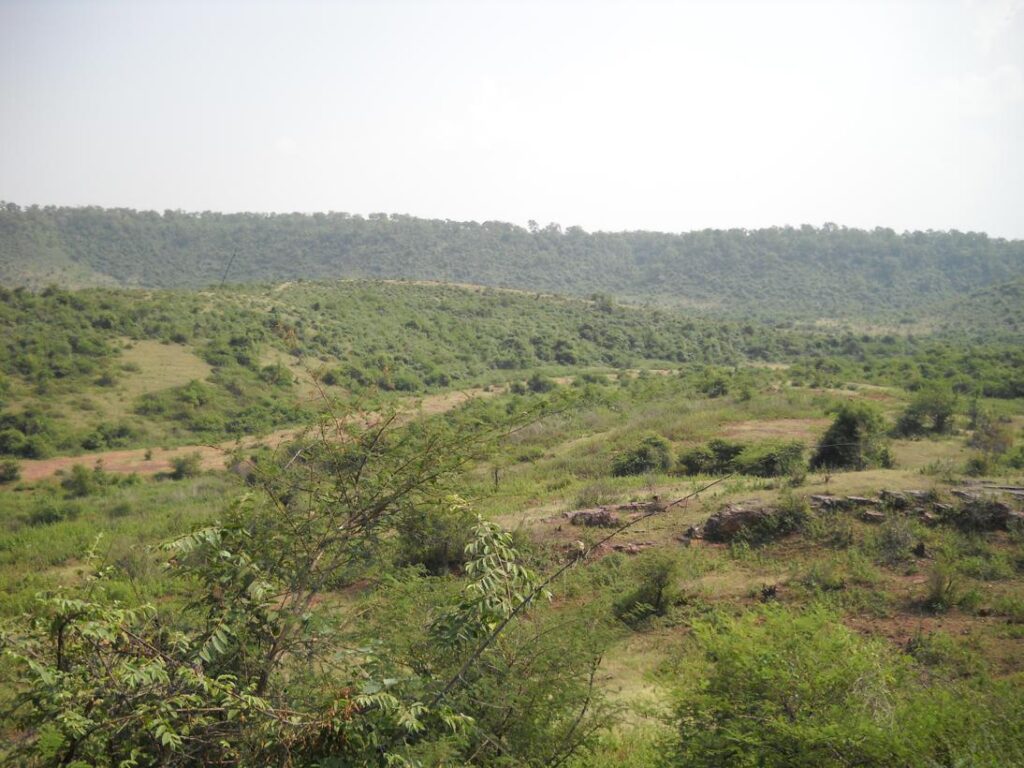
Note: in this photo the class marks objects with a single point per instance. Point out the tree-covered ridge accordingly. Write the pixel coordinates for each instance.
(811, 272)
(993, 312)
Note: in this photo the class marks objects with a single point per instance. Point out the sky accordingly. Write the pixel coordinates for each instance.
(668, 116)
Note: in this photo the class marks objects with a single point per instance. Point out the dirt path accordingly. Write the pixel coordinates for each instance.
(215, 456)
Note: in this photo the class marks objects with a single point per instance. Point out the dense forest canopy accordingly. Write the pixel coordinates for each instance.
(830, 271)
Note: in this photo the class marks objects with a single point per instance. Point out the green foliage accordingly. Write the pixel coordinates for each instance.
(770, 459)
(777, 688)
(943, 588)
(651, 454)
(654, 574)
(186, 465)
(930, 411)
(255, 667)
(895, 540)
(853, 440)
(435, 537)
(10, 471)
(831, 271)
(715, 458)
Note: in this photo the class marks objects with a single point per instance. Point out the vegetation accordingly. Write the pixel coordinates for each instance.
(376, 565)
(783, 272)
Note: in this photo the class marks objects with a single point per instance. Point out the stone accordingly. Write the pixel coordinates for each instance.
(727, 522)
(600, 517)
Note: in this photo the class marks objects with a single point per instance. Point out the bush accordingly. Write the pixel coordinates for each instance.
(10, 471)
(853, 441)
(651, 454)
(539, 384)
(186, 465)
(715, 458)
(930, 411)
(82, 482)
(895, 541)
(779, 689)
(655, 592)
(770, 459)
(434, 538)
(943, 587)
(595, 495)
(791, 514)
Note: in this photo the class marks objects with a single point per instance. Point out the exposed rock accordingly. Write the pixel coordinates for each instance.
(608, 516)
(824, 502)
(694, 532)
(860, 501)
(599, 517)
(872, 516)
(979, 513)
(733, 518)
(633, 548)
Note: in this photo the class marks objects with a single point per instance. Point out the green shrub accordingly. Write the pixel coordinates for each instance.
(10, 471)
(930, 411)
(715, 458)
(770, 459)
(791, 514)
(655, 573)
(651, 454)
(854, 440)
(83, 482)
(894, 541)
(942, 588)
(434, 538)
(780, 689)
(186, 465)
(595, 495)
(539, 384)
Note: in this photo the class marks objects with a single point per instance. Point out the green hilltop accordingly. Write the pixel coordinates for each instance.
(804, 272)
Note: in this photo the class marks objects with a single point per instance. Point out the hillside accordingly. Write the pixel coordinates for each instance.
(993, 312)
(780, 272)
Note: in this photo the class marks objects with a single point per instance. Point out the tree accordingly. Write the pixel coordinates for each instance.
(258, 668)
(854, 439)
(930, 411)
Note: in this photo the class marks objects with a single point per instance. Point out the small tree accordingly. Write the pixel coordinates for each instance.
(651, 454)
(930, 411)
(187, 465)
(854, 440)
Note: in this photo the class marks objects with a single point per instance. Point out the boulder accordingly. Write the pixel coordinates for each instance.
(727, 522)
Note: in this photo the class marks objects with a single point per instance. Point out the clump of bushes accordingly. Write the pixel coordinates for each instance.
(772, 458)
(781, 689)
(714, 458)
(651, 454)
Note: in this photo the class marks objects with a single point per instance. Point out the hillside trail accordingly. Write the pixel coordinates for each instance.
(218, 455)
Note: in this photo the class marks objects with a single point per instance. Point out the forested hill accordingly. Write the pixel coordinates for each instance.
(809, 272)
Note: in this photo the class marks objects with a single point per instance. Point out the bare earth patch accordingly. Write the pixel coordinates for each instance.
(764, 429)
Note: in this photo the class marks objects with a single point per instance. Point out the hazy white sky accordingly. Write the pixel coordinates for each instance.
(608, 115)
